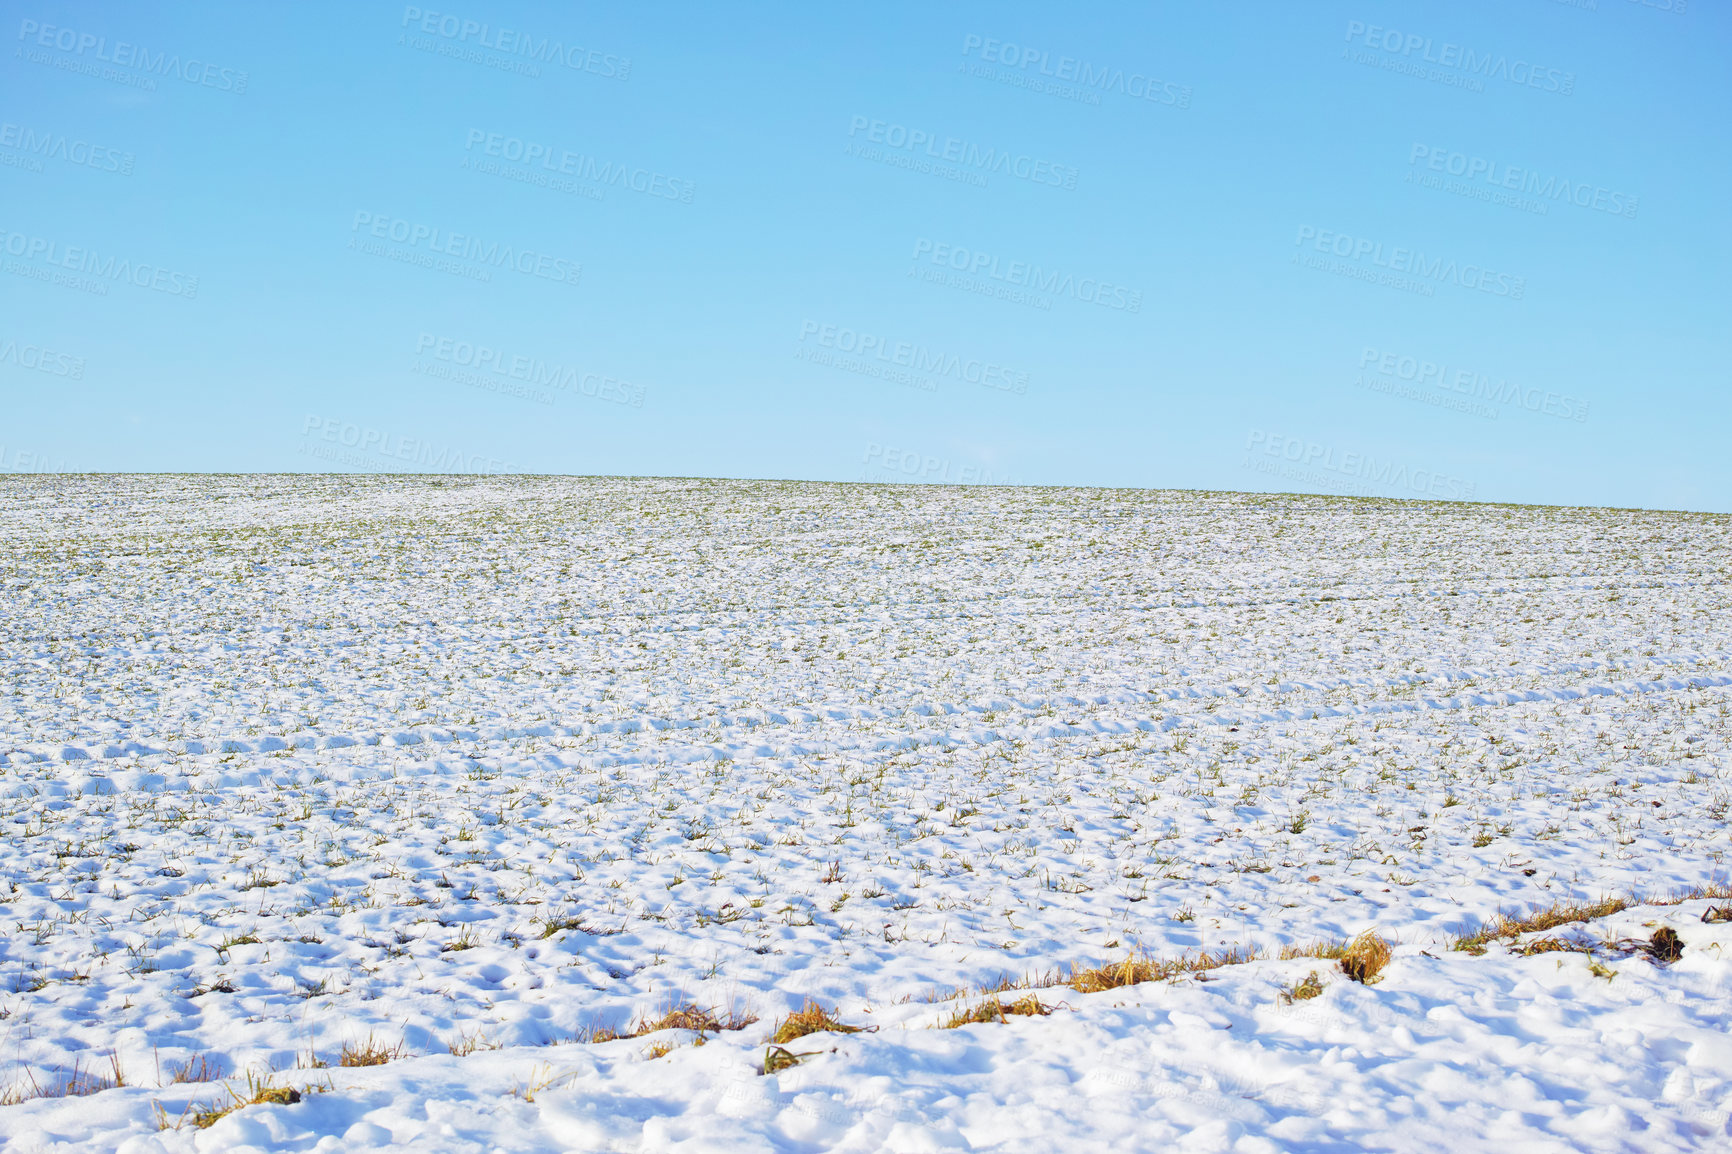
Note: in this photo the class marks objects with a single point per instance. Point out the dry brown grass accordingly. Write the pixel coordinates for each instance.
(264, 1096)
(260, 1092)
(1135, 969)
(994, 1010)
(1713, 891)
(1365, 956)
(469, 1042)
(368, 1053)
(811, 1018)
(73, 1084)
(554, 924)
(198, 1068)
(1302, 991)
(683, 1016)
(1555, 946)
(1538, 921)
(1665, 945)
(1113, 975)
(1006, 983)
(1327, 949)
(781, 1058)
(1363, 959)
(543, 1078)
(1563, 913)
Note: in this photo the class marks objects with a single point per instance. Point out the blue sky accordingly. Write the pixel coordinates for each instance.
(1401, 249)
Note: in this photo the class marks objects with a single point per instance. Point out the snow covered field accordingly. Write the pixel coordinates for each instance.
(468, 770)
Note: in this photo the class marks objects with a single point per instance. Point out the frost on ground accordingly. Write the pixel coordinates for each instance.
(470, 772)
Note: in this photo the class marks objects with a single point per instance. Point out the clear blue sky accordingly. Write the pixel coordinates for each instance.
(1407, 249)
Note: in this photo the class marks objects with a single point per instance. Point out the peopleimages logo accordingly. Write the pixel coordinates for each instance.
(1356, 469)
(90, 263)
(1470, 384)
(513, 43)
(953, 150)
(912, 357)
(365, 447)
(1400, 48)
(16, 460)
(41, 359)
(564, 162)
(892, 463)
(124, 55)
(432, 242)
(1509, 178)
(1412, 263)
(1025, 275)
(532, 372)
(53, 146)
(1070, 71)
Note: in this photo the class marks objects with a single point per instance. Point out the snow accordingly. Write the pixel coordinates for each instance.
(494, 762)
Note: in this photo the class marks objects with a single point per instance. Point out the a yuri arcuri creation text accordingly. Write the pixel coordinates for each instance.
(1514, 185)
(88, 268)
(122, 61)
(1446, 62)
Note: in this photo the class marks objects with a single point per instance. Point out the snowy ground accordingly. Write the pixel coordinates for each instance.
(291, 763)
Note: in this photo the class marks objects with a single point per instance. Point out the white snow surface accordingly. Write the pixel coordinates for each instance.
(471, 767)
